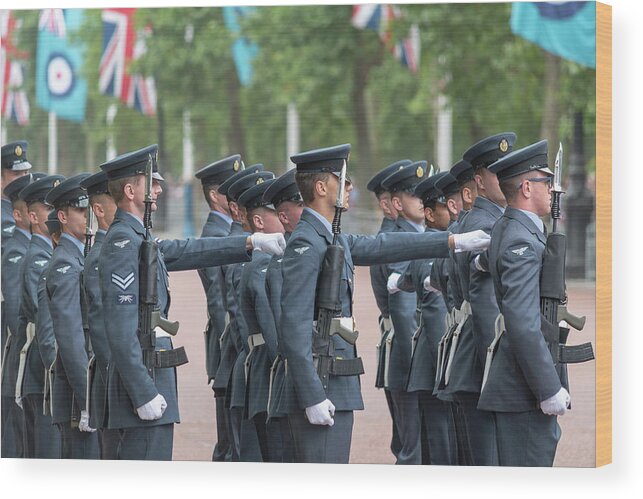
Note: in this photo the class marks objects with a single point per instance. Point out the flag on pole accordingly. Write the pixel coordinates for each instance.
(378, 18)
(121, 46)
(566, 29)
(243, 51)
(15, 105)
(59, 87)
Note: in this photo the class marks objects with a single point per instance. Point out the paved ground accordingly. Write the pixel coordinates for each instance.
(194, 437)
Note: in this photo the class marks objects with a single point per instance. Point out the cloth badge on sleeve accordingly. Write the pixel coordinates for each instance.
(302, 250)
(41, 263)
(63, 270)
(520, 251)
(123, 282)
(15, 259)
(128, 299)
(122, 244)
(9, 230)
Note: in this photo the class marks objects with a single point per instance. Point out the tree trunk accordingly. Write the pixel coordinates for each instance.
(551, 105)
(236, 138)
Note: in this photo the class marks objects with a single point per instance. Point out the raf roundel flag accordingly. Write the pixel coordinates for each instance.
(59, 87)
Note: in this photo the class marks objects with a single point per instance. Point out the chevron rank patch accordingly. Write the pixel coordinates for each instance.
(126, 299)
(123, 282)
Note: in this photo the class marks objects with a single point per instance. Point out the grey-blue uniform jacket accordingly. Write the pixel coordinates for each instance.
(63, 292)
(13, 260)
(229, 344)
(402, 307)
(45, 330)
(36, 262)
(477, 288)
(97, 334)
(522, 371)
(239, 336)
(129, 384)
(212, 279)
(257, 312)
(274, 282)
(431, 303)
(379, 276)
(8, 222)
(301, 266)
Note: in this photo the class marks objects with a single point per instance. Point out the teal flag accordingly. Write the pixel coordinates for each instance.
(567, 29)
(243, 51)
(59, 87)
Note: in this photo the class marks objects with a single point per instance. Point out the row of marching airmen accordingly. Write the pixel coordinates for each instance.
(471, 358)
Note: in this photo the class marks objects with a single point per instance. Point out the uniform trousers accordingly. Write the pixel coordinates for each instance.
(222, 448)
(527, 438)
(42, 438)
(396, 445)
(438, 443)
(271, 440)
(78, 444)
(322, 443)
(10, 446)
(407, 419)
(480, 430)
(147, 443)
(244, 438)
(109, 440)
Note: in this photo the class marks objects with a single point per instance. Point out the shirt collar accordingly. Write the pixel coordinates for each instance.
(46, 239)
(418, 227)
(535, 218)
(26, 233)
(79, 245)
(326, 223)
(138, 219)
(226, 218)
(101, 231)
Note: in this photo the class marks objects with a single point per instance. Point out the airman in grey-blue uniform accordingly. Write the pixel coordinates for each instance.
(468, 360)
(14, 165)
(523, 387)
(259, 330)
(403, 309)
(218, 224)
(13, 260)
(142, 406)
(244, 432)
(41, 437)
(104, 209)
(438, 444)
(284, 195)
(321, 416)
(69, 390)
(379, 277)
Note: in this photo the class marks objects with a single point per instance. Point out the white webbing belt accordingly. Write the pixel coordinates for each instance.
(500, 330)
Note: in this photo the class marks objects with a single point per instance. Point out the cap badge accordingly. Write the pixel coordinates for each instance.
(419, 172)
(18, 151)
(504, 145)
(235, 167)
(56, 183)
(259, 181)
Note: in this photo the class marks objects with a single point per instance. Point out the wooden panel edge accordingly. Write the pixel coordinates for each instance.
(603, 234)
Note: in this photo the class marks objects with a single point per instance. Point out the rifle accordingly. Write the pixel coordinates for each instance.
(329, 305)
(149, 313)
(553, 294)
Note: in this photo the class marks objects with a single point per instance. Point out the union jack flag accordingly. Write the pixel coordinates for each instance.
(52, 20)
(378, 18)
(121, 45)
(15, 105)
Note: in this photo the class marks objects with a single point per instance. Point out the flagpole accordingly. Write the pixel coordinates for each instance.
(188, 171)
(444, 133)
(292, 133)
(53, 144)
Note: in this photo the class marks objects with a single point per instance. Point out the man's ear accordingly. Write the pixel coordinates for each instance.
(396, 201)
(429, 215)
(321, 188)
(452, 206)
(62, 217)
(257, 221)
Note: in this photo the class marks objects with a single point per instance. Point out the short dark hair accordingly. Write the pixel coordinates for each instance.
(509, 187)
(306, 184)
(206, 192)
(115, 187)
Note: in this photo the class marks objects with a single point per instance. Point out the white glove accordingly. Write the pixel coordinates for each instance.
(391, 284)
(154, 409)
(83, 424)
(471, 241)
(275, 244)
(427, 285)
(556, 405)
(321, 413)
(19, 401)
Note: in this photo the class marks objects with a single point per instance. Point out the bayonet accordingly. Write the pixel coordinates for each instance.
(557, 189)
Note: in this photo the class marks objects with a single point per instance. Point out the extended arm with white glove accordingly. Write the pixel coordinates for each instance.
(275, 244)
(152, 410)
(321, 414)
(556, 405)
(476, 240)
